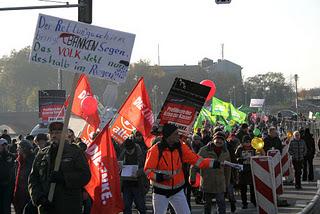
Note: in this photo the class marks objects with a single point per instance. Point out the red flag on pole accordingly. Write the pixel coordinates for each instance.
(137, 111)
(83, 91)
(104, 186)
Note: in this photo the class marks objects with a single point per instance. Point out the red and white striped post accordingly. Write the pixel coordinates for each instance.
(264, 184)
(277, 169)
(285, 161)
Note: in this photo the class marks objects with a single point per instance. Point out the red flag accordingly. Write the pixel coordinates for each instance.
(82, 91)
(137, 110)
(104, 186)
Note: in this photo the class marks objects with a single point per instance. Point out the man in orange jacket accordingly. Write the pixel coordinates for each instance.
(164, 169)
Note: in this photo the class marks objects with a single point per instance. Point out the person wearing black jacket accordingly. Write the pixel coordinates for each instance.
(272, 140)
(308, 159)
(232, 144)
(7, 166)
(243, 154)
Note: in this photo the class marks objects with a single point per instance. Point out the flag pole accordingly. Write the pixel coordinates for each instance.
(63, 135)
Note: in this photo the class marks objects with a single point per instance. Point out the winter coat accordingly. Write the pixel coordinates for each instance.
(243, 157)
(21, 195)
(171, 163)
(213, 180)
(137, 158)
(309, 140)
(74, 167)
(297, 149)
(7, 167)
(270, 142)
(232, 146)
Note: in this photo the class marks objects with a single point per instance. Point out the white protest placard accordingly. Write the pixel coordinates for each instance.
(82, 48)
(129, 170)
(258, 103)
(233, 165)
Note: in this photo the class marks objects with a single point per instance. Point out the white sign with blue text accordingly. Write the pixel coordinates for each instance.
(82, 48)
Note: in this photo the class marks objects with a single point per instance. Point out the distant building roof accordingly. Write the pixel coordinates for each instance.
(205, 64)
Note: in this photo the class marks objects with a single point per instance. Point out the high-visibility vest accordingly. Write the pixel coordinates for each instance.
(171, 164)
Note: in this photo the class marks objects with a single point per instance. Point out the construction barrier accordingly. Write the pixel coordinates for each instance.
(264, 184)
(277, 169)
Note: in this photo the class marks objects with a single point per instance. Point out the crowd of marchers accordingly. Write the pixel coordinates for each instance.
(173, 168)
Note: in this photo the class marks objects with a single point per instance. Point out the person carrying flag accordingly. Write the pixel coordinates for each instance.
(73, 175)
(164, 169)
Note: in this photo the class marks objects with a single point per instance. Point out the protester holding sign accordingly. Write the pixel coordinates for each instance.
(164, 169)
(73, 175)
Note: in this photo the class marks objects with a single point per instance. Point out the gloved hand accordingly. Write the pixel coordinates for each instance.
(216, 164)
(57, 177)
(162, 177)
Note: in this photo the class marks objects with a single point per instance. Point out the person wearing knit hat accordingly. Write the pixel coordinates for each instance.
(168, 129)
(243, 155)
(214, 182)
(163, 168)
(219, 134)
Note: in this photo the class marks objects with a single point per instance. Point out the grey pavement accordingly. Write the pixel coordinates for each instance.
(297, 199)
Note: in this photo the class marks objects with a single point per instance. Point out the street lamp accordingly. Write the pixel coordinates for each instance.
(296, 81)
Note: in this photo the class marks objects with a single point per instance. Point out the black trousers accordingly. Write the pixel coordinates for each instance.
(308, 169)
(5, 198)
(243, 192)
(297, 165)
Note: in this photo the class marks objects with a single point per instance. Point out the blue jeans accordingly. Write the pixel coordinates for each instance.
(133, 194)
(220, 202)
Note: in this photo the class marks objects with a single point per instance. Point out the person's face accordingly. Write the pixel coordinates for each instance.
(297, 136)
(218, 142)
(41, 143)
(273, 133)
(71, 136)
(174, 137)
(55, 135)
(247, 144)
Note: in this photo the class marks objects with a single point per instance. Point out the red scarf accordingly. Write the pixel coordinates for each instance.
(217, 150)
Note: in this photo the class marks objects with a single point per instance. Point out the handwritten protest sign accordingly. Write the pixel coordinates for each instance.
(82, 48)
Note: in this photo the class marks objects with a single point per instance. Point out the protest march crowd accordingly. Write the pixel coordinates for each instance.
(173, 169)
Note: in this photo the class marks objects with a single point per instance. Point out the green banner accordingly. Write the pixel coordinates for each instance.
(236, 115)
(219, 108)
(204, 115)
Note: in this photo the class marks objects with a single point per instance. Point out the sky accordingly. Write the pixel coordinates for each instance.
(259, 35)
